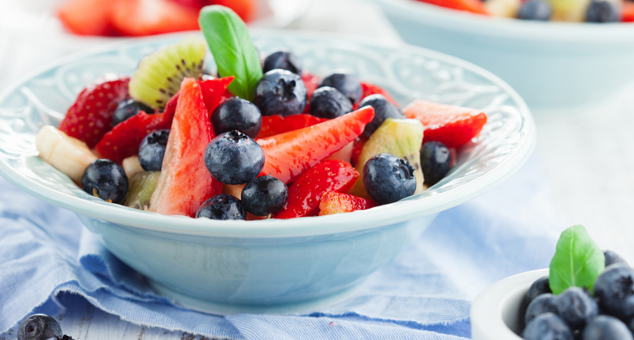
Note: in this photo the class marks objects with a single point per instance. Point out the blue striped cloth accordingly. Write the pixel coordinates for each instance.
(48, 260)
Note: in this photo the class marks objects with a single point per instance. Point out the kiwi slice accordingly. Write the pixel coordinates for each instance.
(159, 74)
(398, 137)
(142, 187)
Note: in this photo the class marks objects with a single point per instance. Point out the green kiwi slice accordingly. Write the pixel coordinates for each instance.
(159, 74)
(142, 187)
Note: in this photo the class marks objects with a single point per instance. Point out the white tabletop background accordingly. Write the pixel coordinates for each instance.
(587, 157)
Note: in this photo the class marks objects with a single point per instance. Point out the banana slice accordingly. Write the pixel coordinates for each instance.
(132, 166)
(66, 154)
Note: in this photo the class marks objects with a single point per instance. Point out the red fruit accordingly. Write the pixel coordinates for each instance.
(451, 125)
(368, 89)
(337, 203)
(628, 12)
(357, 147)
(185, 183)
(304, 195)
(86, 17)
(245, 9)
(90, 117)
(147, 17)
(473, 6)
(311, 82)
(289, 154)
(276, 124)
(215, 91)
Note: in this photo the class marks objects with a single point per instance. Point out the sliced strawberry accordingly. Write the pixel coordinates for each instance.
(451, 125)
(627, 12)
(338, 203)
(357, 147)
(276, 124)
(147, 17)
(304, 195)
(87, 17)
(311, 82)
(368, 89)
(289, 154)
(215, 91)
(90, 117)
(473, 6)
(185, 183)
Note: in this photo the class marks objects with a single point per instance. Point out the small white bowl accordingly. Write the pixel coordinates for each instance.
(498, 312)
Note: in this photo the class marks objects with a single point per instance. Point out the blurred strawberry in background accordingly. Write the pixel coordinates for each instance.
(141, 17)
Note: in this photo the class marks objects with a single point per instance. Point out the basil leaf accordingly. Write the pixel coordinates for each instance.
(232, 48)
(578, 261)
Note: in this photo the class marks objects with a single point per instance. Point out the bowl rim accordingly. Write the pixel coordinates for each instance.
(486, 311)
(551, 31)
(275, 228)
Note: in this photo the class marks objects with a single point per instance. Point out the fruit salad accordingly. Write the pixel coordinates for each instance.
(595, 11)
(258, 139)
(588, 294)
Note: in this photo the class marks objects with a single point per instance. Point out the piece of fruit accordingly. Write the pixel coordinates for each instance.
(264, 195)
(388, 179)
(132, 166)
(148, 17)
(328, 102)
(128, 108)
(545, 303)
(547, 326)
(311, 82)
(615, 290)
(237, 114)
(605, 327)
(142, 186)
(339, 203)
(435, 161)
(538, 288)
(215, 92)
(39, 327)
(87, 17)
(185, 183)
(284, 60)
(289, 154)
(383, 110)
(159, 75)
(90, 117)
(535, 10)
(601, 11)
(401, 138)
(276, 124)
(304, 195)
(451, 125)
(222, 207)
(246, 9)
(346, 83)
(345, 154)
(105, 179)
(627, 14)
(576, 308)
(280, 92)
(569, 10)
(152, 150)
(368, 89)
(503, 8)
(234, 158)
(234, 190)
(473, 6)
(66, 154)
(612, 257)
(357, 147)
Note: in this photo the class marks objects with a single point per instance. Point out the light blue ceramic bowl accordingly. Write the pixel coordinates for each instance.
(553, 66)
(270, 266)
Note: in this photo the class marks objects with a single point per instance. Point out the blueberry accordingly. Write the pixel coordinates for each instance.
(605, 327)
(345, 83)
(234, 158)
(128, 108)
(39, 327)
(105, 179)
(547, 326)
(152, 150)
(602, 11)
(539, 287)
(264, 195)
(237, 114)
(535, 10)
(435, 159)
(280, 92)
(388, 179)
(327, 102)
(576, 307)
(284, 60)
(615, 290)
(222, 207)
(613, 258)
(545, 303)
(382, 111)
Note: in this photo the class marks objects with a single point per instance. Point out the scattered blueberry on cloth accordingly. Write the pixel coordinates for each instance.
(425, 293)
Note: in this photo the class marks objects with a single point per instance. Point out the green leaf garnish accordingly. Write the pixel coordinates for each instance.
(232, 48)
(578, 261)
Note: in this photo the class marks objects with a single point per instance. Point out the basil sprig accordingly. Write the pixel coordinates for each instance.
(578, 261)
(232, 48)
